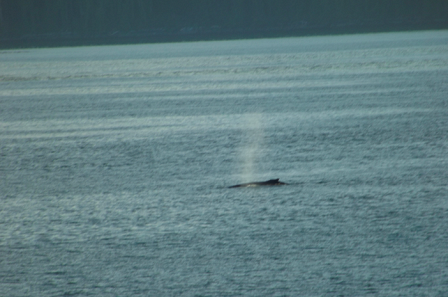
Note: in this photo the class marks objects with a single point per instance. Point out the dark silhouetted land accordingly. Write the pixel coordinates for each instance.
(79, 22)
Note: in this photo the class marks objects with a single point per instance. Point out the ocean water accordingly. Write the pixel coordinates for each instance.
(115, 163)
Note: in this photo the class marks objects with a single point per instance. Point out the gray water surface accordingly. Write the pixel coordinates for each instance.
(115, 163)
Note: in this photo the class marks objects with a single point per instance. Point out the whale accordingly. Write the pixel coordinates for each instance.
(271, 182)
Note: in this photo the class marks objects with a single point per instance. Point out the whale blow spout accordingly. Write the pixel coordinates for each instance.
(271, 182)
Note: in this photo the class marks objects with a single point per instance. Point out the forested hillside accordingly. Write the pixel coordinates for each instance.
(53, 19)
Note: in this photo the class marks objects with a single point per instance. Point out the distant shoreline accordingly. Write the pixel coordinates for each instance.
(192, 34)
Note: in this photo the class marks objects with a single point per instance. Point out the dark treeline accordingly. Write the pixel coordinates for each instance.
(40, 19)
